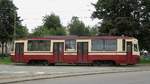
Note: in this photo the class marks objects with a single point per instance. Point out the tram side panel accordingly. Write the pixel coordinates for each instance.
(39, 50)
(86, 51)
(36, 56)
(123, 53)
(17, 55)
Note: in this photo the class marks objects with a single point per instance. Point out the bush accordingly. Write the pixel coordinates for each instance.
(4, 55)
(145, 60)
(5, 59)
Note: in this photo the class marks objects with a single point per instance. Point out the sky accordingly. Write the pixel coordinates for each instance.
(33, 11)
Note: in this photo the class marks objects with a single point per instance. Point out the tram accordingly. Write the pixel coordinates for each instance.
(77, 50)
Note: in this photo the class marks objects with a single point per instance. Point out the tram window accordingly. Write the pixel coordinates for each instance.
(123, 44)
(110, 45)
(38, 45)
(135, 47)
(97, 45)
(70, 45)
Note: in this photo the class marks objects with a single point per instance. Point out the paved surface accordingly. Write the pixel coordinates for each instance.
(113, 78)
(13, 73)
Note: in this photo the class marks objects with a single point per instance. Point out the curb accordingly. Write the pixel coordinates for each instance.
(49, 76)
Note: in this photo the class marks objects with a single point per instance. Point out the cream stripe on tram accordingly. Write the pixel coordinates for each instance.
(74, 53)
(106, 53)
(38, 53)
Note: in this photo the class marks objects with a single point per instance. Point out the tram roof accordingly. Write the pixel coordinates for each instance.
(80, 37)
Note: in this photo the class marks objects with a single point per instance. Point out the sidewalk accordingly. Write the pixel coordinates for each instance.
(65, 72)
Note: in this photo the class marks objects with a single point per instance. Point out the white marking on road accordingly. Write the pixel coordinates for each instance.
(39, 73)
(21, 72)
(13, 72)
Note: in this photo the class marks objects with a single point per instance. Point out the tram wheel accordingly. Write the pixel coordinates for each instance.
(52, 64)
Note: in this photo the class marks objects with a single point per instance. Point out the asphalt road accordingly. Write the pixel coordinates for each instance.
(7, 71)
(111, 78)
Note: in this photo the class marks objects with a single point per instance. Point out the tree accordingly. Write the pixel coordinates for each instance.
(7, 21)
(106, 28)
(77, 27)
(145, 12)
(144, 38)
(110, 9)
(42, 31)
(126, 26)
(124, 17)
(93, 30)
(20, 30)
(60, 31)
(52, 21)
(144, 35)
(116, 13)
(51, 26)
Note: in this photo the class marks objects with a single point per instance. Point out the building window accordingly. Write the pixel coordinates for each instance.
(104, 45)
(70, 45)
(39, 45)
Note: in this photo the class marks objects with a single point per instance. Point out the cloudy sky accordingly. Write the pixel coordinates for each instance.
(32, 11)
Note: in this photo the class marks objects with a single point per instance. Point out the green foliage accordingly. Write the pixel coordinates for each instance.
(145, 10)
(126, 26)
(52, 21)
(119, 16)
(7, 21)
(106, 28)
(144, 36)
(60, 31)
(5, 60)
(43, 31)
(145, 60)
(93, 31)
(20, 31)
(110, 9)
(51, 26)
(77, 27)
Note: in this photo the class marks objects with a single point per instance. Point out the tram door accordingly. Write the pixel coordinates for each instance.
(19, 52)
(82, 51)
(129, 52)
(58, 51)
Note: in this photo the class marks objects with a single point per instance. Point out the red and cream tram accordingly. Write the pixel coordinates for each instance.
(77, 50)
